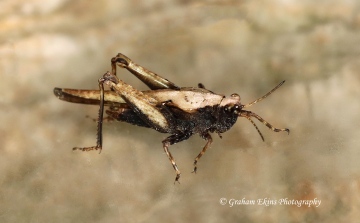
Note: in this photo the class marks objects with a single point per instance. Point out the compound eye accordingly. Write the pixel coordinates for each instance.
(235, 96)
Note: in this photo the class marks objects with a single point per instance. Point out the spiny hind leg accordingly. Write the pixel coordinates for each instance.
(152, 80)
(98, 145)
(152, 112)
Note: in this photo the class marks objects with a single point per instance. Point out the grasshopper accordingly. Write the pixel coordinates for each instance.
(166, 107)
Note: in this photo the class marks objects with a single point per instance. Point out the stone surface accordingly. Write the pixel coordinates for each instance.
(245, 47)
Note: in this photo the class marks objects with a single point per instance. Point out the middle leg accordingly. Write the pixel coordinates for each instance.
(207, 137)
(172, 140)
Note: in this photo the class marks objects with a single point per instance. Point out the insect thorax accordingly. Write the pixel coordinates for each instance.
(226, 118)
(212, 119)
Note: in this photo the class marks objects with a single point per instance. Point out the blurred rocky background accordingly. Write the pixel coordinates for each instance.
(243, 46)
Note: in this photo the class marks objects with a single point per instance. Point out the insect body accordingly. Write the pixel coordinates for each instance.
(167, 108)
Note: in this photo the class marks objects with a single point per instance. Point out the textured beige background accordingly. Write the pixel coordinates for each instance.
(245, 47)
